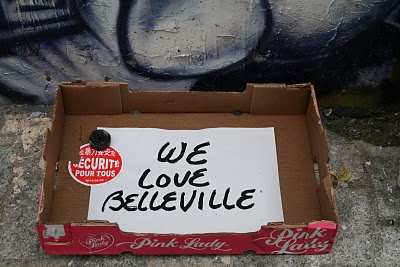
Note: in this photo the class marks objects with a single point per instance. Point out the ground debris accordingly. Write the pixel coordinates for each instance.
(328, 112)
(37, 114)
(344, 174)
(367, 163)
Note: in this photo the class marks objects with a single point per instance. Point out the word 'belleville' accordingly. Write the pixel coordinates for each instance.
(171, 201)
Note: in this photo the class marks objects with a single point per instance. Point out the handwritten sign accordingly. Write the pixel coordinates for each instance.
(191, 181)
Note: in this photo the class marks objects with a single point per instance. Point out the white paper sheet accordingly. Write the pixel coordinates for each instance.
(240, 160)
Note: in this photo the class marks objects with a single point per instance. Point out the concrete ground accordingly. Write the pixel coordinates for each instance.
(369, 205)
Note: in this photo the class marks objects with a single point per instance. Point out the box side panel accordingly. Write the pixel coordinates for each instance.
(327, 201)
(279, 99)
(185, 102)
(51, 154)
(92, 98)
(103, 239)
(71, 197)
(108, 239)
(319, 146)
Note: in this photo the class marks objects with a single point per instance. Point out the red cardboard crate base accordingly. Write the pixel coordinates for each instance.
(317, 238)
(311, 220)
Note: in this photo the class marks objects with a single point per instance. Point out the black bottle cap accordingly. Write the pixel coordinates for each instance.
(99, 140)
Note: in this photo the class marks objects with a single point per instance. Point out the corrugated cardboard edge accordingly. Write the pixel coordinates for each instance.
(320, 150)
(263, 102)
(80, 97)
(185, 102)
(51, 153)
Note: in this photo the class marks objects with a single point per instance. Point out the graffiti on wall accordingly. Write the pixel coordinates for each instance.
(213, 45)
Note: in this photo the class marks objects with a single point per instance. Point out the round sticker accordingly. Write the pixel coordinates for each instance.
(96, 167)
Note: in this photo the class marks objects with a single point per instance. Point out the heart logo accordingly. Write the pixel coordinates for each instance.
(97, 242)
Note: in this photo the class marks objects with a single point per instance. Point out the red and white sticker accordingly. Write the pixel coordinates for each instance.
(96, 167)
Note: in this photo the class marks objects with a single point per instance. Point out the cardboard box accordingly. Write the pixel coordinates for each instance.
(307, 196)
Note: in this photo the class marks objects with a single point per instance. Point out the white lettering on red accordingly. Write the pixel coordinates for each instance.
(189, 243)
(287, 241)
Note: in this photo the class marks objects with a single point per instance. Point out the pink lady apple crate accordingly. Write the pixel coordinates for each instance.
(311, 218)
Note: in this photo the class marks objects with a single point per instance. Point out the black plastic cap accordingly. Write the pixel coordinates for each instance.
(100, 140)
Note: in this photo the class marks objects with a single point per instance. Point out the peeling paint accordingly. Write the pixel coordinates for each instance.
(335, 34)
(26, 128)
(191, 45)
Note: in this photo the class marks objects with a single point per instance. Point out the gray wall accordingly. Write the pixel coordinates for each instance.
(196, 45)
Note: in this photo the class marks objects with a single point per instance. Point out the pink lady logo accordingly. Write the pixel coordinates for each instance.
(188, 243)
(296, 241)
(97, 242)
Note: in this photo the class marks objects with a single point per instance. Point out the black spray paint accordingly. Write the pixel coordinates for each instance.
(193, 198)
